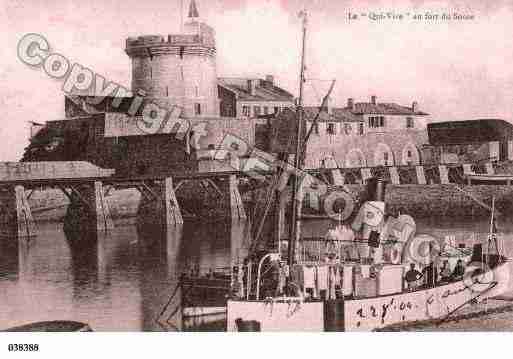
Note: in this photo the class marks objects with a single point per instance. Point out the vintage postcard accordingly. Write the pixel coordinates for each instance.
(256, 166)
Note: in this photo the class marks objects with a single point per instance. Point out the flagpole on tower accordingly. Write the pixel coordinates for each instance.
(181, 16)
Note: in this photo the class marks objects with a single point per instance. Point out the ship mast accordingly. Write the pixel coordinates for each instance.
(295, 228)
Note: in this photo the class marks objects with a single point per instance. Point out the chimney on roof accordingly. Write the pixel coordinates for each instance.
(350, 103)
(373, 99)
(252, 84)
(415, 106)
(269, 79)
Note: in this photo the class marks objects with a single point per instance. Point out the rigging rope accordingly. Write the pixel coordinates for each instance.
(315, 92)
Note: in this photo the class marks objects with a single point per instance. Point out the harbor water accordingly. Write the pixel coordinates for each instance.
(122, 282)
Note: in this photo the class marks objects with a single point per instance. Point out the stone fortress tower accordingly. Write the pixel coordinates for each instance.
(178, 70)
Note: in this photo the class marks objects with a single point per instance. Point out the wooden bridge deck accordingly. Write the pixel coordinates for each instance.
(62, 172)
(47, 172)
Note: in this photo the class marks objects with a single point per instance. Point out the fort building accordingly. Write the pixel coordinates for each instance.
(252, 97)
(476, 141)
(179, 71)
(176, 71)
(367, 134)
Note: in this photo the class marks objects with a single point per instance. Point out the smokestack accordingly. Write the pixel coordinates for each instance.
(350, 103)
(269, 79)
(252, 87)
(375, 189)
(415, 106)
(373, 99)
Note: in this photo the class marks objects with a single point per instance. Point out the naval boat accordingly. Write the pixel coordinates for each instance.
(356, 278)
(373, 272)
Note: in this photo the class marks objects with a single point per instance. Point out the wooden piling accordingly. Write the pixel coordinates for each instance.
(15, 214)
(26, 226)
(103, 218)
(172, 208)
(236, 205)
(88, 211)
(159, 207)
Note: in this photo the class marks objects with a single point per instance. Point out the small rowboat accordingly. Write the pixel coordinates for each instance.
(52, 326)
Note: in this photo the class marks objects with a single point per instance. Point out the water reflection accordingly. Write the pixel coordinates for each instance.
(122, 281)
(13, 258)
(88, 264)
(161, 254)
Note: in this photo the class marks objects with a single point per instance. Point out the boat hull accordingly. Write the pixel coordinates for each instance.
(369, 314)
(203, 318)
(52, 326)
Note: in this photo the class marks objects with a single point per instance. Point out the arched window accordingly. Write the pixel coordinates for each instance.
(328, 161)
(410, 155)
(383, 156)
(355, 158)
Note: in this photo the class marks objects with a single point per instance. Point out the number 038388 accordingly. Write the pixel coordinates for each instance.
(23, 347)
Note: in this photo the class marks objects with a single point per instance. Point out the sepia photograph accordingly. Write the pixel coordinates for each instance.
(255, 166)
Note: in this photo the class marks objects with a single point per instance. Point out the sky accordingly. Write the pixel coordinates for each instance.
(454, 69)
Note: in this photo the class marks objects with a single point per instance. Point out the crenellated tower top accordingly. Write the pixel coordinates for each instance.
(180, 68)
(196, 34)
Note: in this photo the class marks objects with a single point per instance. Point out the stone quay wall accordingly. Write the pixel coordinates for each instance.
(450, 200)
(418, 201)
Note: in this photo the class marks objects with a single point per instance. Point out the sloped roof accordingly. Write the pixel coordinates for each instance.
(470, 131)
(368, 108)
(334, 115)
(264, 90)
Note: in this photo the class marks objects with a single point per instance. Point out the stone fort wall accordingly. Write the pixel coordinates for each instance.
(180, 81)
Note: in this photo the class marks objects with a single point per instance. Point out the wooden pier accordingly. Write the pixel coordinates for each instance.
(81, 182)
(86, 185)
